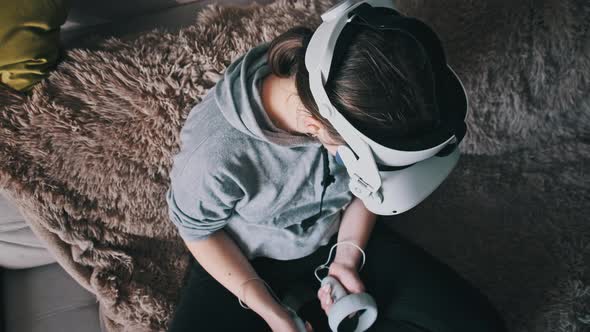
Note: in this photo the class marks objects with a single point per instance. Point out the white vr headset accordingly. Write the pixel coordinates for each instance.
(394, 178)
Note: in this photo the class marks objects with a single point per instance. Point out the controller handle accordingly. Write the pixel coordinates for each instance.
(345, 304)
(299, 323)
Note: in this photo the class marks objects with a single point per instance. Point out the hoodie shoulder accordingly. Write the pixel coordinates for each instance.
(207, 139)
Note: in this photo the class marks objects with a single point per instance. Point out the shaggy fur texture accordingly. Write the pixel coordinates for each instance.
(86, 157)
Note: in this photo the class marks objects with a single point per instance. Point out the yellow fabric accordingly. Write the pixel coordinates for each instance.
(29, 40)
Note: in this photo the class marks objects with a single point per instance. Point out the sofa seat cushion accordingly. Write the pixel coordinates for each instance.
(19, 247)
(47, 299)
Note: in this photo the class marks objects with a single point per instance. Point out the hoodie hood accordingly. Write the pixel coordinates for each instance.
(238, 97)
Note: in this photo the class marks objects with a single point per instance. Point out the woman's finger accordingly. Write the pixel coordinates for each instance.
(325, 297)
(322, 290)
(321, 297)
(327, 302)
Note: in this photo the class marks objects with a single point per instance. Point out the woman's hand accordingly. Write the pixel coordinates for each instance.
(348, 277)
(284, 323)
(287, 324)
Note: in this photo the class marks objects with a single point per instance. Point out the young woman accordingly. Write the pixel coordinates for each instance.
(257, 196)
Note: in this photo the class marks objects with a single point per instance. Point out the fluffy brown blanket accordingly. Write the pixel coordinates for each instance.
(86, 157)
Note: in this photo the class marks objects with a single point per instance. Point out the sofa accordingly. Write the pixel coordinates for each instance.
(37, 295)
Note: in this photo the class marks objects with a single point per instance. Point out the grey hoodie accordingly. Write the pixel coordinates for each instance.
(238, 172)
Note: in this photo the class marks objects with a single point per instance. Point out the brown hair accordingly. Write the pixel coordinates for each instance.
(380, 80)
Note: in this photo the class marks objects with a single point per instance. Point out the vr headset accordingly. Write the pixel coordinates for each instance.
(394, 178)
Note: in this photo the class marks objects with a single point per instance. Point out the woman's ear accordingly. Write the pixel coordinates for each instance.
(312, 125)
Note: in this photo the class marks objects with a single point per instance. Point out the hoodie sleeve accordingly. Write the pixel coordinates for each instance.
(200, 203)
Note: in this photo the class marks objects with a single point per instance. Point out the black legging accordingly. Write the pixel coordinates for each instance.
(414, 292)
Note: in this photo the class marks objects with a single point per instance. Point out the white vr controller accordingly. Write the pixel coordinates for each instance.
(343, 306)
